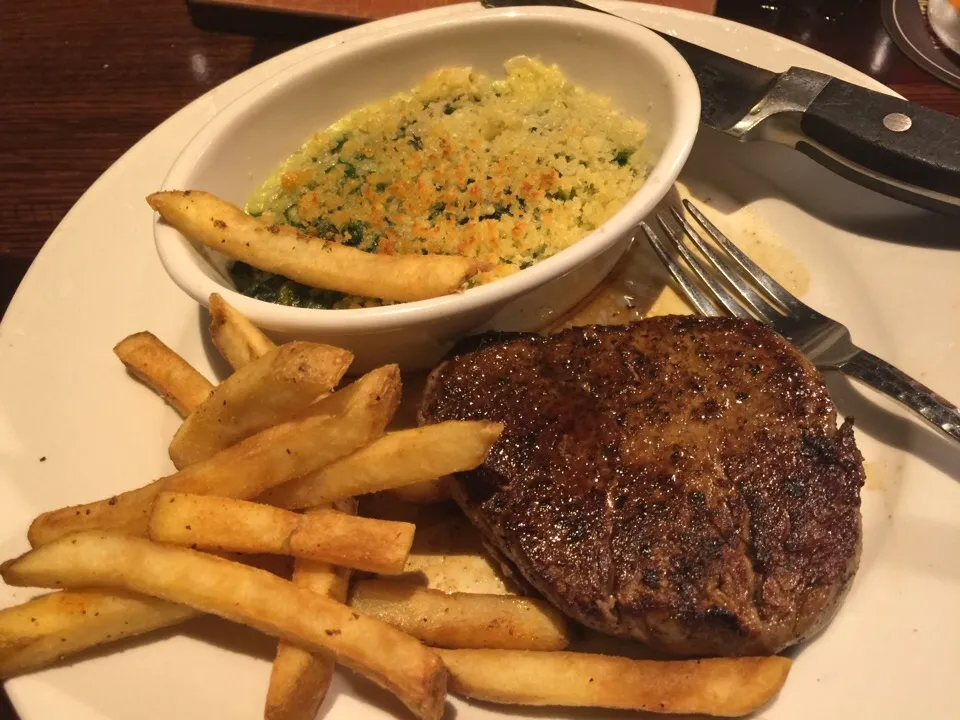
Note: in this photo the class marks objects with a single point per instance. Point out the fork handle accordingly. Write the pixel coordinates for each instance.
(882, 376)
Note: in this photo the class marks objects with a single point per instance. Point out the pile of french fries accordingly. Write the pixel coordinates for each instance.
(272, 460)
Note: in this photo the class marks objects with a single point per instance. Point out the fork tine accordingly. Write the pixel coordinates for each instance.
(771, 286)
(763, 309)
(694, 294)
(720, 293)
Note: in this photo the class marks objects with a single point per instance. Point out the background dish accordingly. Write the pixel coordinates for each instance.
(895, 645)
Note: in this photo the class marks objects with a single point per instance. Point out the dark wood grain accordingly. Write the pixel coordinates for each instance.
(851, 31)
(378, 9)
(81, 82)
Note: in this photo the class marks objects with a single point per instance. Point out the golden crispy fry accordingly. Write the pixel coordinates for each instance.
(448, 553)
(336, 426)
(424, 493)
(237, 339)
(205, 219)
(299, 679)
(398, 458)
(272, 456)
(222, 524)
(726, 687)
(462, 620)
(163, 371)
(380, 388)
(379, 546)
(274, 388)
(43, 630)
(245, 595)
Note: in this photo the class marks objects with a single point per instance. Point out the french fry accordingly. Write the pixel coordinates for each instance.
(237, 339)
(163, 371)
(462, 620)
(300, 679)
(336, 426)
(50, 627)
(380, 389)
(203, 218)
(223, 524)
(268, 391)
(424, 493)
(379, 546)
(397, 459)
(242, 594)
(725, 687)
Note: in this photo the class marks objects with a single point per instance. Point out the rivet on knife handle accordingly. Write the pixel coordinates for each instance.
(911, 147)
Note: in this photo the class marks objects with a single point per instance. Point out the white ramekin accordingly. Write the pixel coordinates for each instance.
(248, 139)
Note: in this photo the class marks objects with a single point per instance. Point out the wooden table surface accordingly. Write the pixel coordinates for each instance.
(83, 81)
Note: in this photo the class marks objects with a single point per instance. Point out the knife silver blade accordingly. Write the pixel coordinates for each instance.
(882, 142)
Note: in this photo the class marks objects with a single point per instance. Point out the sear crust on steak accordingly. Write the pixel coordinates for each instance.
(680, 480)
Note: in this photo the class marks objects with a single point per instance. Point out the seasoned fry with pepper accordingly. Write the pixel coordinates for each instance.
(286, 251)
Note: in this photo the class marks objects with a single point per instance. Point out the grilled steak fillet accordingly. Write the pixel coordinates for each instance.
(680, 480)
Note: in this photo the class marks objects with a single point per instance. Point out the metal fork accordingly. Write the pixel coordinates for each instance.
(737, 286)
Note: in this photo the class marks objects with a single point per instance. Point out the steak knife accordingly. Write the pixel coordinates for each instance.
(892, 146)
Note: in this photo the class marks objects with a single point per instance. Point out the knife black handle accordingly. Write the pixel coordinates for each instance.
(906, 142)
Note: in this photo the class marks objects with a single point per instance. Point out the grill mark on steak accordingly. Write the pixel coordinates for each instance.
(680, 480)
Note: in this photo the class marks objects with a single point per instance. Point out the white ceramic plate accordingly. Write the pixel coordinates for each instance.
(892, 652)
